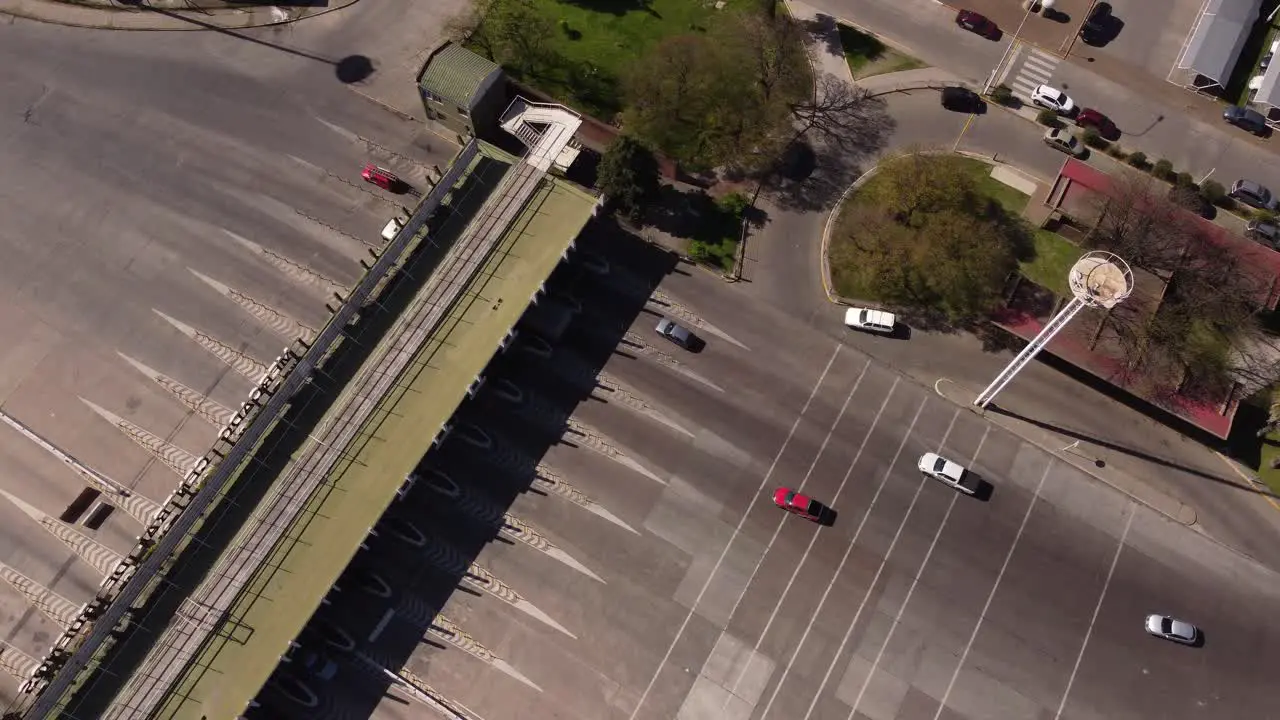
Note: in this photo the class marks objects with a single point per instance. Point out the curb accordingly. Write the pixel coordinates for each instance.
(160, 20)
(1186, 514)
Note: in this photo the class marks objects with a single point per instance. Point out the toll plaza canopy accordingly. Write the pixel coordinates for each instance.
(1217, 38)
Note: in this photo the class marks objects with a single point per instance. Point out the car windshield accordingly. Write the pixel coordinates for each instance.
(864, 316)
(1166, 625)
(939, 464)
(791, 495)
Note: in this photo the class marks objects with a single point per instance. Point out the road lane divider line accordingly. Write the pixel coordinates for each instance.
(737, 531)
(1115, 559)
(813, 539)
(866, 681)
(942, 704)
(884, 561)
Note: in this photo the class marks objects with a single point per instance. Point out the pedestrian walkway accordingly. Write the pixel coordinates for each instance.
(824, 42)
(161, 14)
(1029, 67)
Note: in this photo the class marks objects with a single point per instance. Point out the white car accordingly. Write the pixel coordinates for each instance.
(1163, 626)
(1063, 140)
(953, 474)
(1053, 99)
(393, 227)
(868, 319)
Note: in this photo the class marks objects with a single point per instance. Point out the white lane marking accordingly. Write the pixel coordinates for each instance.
(813, 538)
(867, 596)
(839, 568)
(1096, 609)
(991, 595)
(736, 532)
(777, 530)
(866, 682)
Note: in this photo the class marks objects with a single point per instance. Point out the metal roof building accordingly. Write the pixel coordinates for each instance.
(1217, 38)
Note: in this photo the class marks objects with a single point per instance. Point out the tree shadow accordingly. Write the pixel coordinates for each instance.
(807, 180)
(616, 7)
(825, 32)
(1132, 452)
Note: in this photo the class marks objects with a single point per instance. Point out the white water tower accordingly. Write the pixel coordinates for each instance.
(1098, 279)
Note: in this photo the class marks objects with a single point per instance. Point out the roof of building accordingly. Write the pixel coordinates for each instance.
(454, 73)
(1090, 347)
(1262, 260)
(449, 358)
(1218, 37)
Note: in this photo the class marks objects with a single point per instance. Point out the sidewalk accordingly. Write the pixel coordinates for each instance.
(160, 14)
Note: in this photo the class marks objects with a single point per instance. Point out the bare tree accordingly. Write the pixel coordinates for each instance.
(1135, 222)
(844, 115)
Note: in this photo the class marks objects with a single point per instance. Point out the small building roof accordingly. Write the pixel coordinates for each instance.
(454, 73)
(1218, 36)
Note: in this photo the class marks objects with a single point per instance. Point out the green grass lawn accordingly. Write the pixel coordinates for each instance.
(599, 40)
(1053, 260)
(868, 56)
(1014, 201)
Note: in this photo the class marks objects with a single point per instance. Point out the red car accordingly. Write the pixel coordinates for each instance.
(797, 504)
(1089, 117)
(977, 23)
(381, 177)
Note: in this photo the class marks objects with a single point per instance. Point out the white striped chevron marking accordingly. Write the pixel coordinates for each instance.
(102, 558)
(58, 608)
(174, 457)
(212, 413)
(280, 323)
(247, 366)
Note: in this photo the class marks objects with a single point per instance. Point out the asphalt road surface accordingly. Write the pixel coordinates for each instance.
(145, 175)
(692, 597)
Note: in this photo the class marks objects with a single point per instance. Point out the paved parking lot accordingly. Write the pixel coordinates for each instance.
(1147, 41)
(647, 574)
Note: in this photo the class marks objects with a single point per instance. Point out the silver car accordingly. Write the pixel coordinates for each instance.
(676, 333)
(1163, 626)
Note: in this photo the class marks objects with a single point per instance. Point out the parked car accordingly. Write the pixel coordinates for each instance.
(797, 504)
(962, 100)
(677, 333)
(1088, 117)
(1096, 27)
(1253, 194)
(877, 321)
(950, 473)
(394, 226)
(1179, 631)
(1246, 119)
(977, 23)
(1061, 139)
(1053, 99)
(1266, 232)
(1271, 54)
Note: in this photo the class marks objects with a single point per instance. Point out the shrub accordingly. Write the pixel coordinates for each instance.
(1048, 118)
(1163, 169)
(1139, 160)
(1213, 191)
(1115, 151)
(1002, 94)
(1184, 179)
(734, 204)
(1093, 139)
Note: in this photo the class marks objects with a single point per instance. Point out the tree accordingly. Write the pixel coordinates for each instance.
(920, 234)
(511, 32)
(844, 116)
(628, 175)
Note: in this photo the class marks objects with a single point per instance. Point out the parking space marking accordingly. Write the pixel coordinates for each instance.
(1096, 609)
(883, 561)
(737, 531)
(813, 538)
(991, 595)
(866, 682)
(777, 530)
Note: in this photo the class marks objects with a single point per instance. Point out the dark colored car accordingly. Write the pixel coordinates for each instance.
(1253, 194)
(1097, 27)
(1266, 232)
(1246, 119)
(963, 100)
(1089, 117)
(977, 23)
